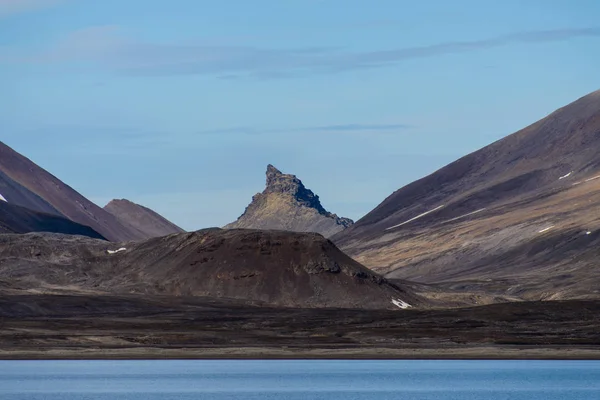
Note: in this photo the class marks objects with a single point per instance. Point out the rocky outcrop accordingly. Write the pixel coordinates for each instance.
(286, 204)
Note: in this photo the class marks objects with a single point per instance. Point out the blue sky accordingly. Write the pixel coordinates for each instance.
(180, 105)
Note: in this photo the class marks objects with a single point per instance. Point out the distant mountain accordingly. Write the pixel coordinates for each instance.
(141, 218)
(520, 216)
(286, 204)
(54, 196)
(266, 267)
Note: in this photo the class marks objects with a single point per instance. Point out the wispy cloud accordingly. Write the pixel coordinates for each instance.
(357, 128)
(10, 7)
(340, 128)
(109, 48)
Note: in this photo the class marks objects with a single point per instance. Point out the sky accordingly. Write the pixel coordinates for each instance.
(180, 105)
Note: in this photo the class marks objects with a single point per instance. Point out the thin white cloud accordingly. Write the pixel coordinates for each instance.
(11, 7)
(108, 47)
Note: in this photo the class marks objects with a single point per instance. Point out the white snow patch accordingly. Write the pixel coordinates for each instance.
(417, 217)
(402, 304)
(3, 198)
(466, 215)
(565, 176)
(591, 179)
(116, 251)
(546, 229)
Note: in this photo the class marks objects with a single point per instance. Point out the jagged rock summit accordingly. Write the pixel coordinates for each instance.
(286, 204)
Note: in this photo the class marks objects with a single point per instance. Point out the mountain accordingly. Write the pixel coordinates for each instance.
(520, 216)
(150, 223)
(274, 268)
(55, 197)
(286, 204)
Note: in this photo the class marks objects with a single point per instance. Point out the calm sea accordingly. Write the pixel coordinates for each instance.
(299, 380)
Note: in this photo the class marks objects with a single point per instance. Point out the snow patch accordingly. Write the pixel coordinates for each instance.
(3, 198)
(466, 215)
(401, 304)
(565, 176)
(417, 217)
(116, 251)
(546, 229)
(593, 178)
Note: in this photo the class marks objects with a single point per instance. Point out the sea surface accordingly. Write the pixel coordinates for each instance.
(299, 380)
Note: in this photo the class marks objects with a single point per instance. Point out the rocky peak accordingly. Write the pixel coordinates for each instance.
(287, 204)
(278, 182)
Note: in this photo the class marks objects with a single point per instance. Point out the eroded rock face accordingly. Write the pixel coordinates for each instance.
(287, 204)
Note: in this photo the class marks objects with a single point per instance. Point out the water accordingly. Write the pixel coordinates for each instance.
(299, 380)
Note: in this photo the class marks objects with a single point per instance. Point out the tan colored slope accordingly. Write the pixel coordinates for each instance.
(145, 220)
(62, 197)
(512, 218)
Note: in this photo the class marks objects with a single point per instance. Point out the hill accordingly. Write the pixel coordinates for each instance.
(267, 267)
(145, 220)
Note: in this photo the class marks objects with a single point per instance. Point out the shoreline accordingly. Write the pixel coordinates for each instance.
(251, 353)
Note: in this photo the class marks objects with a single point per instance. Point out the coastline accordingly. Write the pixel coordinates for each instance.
(257, 353)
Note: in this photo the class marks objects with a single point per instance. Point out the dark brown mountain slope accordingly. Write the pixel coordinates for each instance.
(16, 219)
(270, 267)
(141, 218)
(62, 197)
(287, 205)
(518, 216)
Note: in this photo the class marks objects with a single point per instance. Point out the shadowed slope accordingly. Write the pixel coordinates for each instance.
(15, 219)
